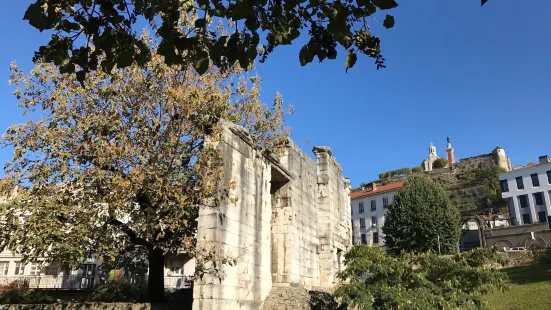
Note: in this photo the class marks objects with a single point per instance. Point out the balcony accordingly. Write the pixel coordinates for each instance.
(84, 282)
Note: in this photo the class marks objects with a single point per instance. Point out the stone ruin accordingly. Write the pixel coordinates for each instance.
(286, 223)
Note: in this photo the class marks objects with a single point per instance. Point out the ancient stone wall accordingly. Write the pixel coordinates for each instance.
(286, 223)
(295, 242)
(238, 228)
(333, 215)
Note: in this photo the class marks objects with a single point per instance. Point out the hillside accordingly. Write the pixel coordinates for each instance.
(472, 184)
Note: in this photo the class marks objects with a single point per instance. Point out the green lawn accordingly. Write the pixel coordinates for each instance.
(530, 289)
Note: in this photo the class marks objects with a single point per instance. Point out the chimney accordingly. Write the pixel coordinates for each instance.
(545, 159)
(374, 186)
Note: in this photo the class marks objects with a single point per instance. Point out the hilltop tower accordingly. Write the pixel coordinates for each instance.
(427, 163)
(500, 159)
(449, 150)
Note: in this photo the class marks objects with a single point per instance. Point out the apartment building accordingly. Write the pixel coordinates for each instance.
(179, 271)
(527, 190)
(369, 208)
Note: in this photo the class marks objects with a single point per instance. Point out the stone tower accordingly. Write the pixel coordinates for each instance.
(449, 150)
(427, 163)
(500, 159)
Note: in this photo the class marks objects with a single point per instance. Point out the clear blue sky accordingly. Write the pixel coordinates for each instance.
(479, 75)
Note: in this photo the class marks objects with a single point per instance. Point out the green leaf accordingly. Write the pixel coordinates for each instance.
(385, 4)
(67, 66)
(305, 56)
(200, 23)
(389, 21)
(252, 23)
(68, 26)
(201, 64)
(36, 16)
(203, 4)
(81, 76)
(351, 58)
(126, 57)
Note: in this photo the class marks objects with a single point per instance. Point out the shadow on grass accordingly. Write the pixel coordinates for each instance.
(529, 274)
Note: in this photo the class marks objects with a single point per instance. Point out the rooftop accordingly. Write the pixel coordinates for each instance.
(376, 189)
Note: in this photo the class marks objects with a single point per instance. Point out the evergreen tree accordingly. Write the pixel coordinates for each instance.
(420, 218)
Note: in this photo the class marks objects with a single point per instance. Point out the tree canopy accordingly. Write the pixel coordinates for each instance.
(123, 165)
(374, 280)
(440, 163)
(420, 218)
(258, 27)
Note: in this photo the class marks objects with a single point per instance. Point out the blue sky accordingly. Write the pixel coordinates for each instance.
(479, 75)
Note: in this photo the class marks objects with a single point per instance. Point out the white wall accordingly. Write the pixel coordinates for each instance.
(515, 210)
(379, 213)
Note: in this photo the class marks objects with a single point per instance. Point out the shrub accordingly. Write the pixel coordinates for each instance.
(439, 163)
(117, 291)
(374, 280)
(18, 292)
(480, 257)
(540, 255)
(417, 169)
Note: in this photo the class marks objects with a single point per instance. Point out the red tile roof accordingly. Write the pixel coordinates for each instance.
(378, 189)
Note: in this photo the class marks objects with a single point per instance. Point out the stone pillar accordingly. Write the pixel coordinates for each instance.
(325, 231)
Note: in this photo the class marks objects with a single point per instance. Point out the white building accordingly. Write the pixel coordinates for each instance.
(179, 270)
(369, 211)
(527, 190)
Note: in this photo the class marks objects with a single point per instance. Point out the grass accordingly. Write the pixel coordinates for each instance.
(530, 287)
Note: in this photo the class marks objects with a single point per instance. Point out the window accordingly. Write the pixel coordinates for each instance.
(549, 176)
(176, 270)
(375, 238)
(523, 200)
(364, 239)
(361, 207)
(542, 217)
(373, 221)
(535, 179)
(385, 202)
(35, 270)
(4, 268)
(538, 197)
(373, 205)
(51, 270)
(504, 186)
(520, 183)
(19, 269)
(526, 219)
(362, 223)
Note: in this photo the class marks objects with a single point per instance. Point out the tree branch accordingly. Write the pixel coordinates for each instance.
(134, 238)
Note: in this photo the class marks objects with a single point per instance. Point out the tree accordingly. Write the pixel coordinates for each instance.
(417, 169)
(415, 281)
(421, 218)
(108, 26)
(488, 177)
(439, 163)
(121, 167)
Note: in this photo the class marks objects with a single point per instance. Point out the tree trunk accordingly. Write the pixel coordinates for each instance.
(156, 280)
